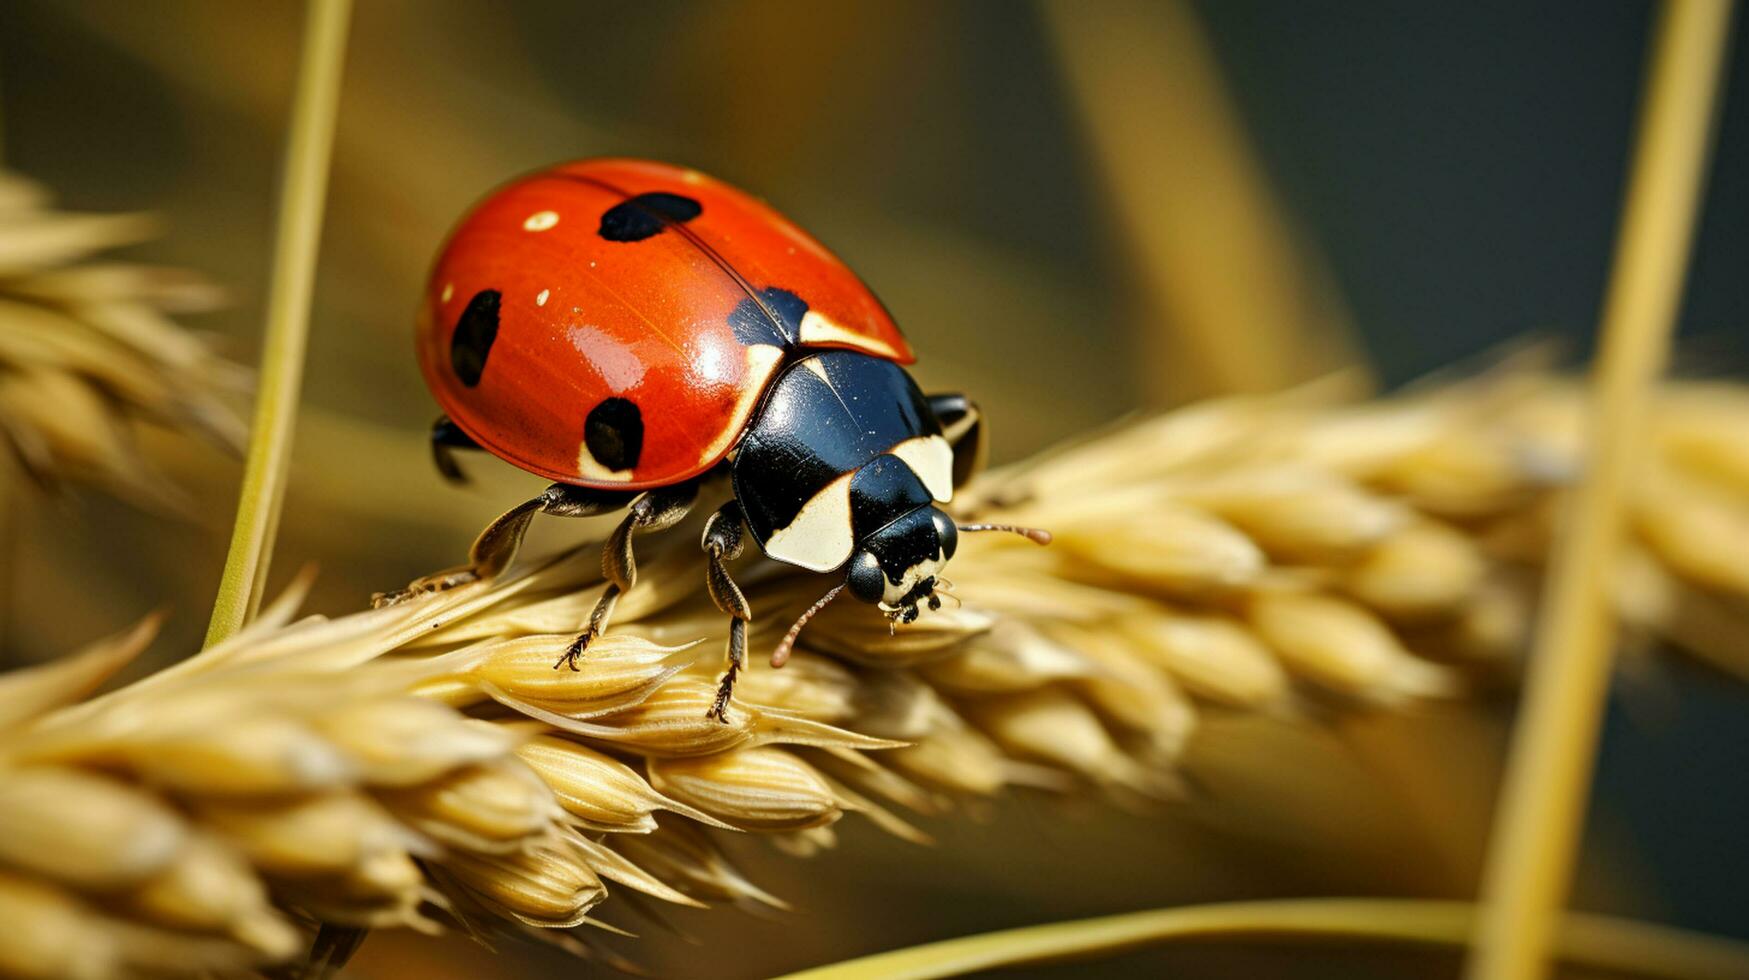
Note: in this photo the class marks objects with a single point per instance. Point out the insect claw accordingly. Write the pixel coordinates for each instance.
(719, 709)
(574, 652)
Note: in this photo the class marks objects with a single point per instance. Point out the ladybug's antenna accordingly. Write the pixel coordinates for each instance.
(780, 656)
(1034, 534)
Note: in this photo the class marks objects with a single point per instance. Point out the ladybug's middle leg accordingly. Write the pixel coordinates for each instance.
(497, 545)
(656, 510)
(722, 542)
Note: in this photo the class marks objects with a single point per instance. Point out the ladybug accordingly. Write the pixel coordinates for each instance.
(630, 329)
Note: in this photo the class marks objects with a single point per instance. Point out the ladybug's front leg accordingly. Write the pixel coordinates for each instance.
(722, 542)
(656, 510)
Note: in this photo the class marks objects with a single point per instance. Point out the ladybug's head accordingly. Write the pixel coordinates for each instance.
(899, 566)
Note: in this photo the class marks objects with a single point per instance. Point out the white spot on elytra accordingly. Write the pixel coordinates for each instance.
(540, 221)
(541, 300)
(448, 291)
(816, 329)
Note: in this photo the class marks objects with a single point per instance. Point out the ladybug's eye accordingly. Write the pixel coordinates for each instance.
(946, 531)
(866, 580)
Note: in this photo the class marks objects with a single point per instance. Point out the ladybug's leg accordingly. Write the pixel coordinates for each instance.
(446, 438)
(963, 427)
(497, 545)
(722, 542)
(655, 510)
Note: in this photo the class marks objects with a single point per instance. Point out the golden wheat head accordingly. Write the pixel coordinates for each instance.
(423, 765)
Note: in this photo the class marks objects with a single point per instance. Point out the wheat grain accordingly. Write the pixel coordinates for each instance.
(600, 792)
(750, 789)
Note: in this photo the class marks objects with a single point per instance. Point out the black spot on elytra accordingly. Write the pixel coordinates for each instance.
(637, 218)
(614, 433)
(752, 325)
(473, 337)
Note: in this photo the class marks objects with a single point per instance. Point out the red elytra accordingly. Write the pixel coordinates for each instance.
(583, 315)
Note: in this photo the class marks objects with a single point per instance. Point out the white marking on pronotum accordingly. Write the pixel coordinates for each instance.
(541, 300)
(816, 329)
(931, 458)
(448, 291)
(540, 221)
(761, 364)
(820, 538)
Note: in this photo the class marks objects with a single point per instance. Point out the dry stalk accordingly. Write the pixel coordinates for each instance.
(88, 350)
(424, 765)
(1540, 819)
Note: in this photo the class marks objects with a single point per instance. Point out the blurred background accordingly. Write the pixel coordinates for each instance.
(1059, 202)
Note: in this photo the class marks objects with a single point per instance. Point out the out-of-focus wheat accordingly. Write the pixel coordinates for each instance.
(88, 351)
(423, 763)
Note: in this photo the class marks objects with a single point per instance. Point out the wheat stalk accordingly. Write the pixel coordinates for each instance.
(1613, 945)
(302, 191)
(1538, 822)
(423, 765)
(88, 351)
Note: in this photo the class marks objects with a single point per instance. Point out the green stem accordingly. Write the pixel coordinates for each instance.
(1588, 940)
(303, 188)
